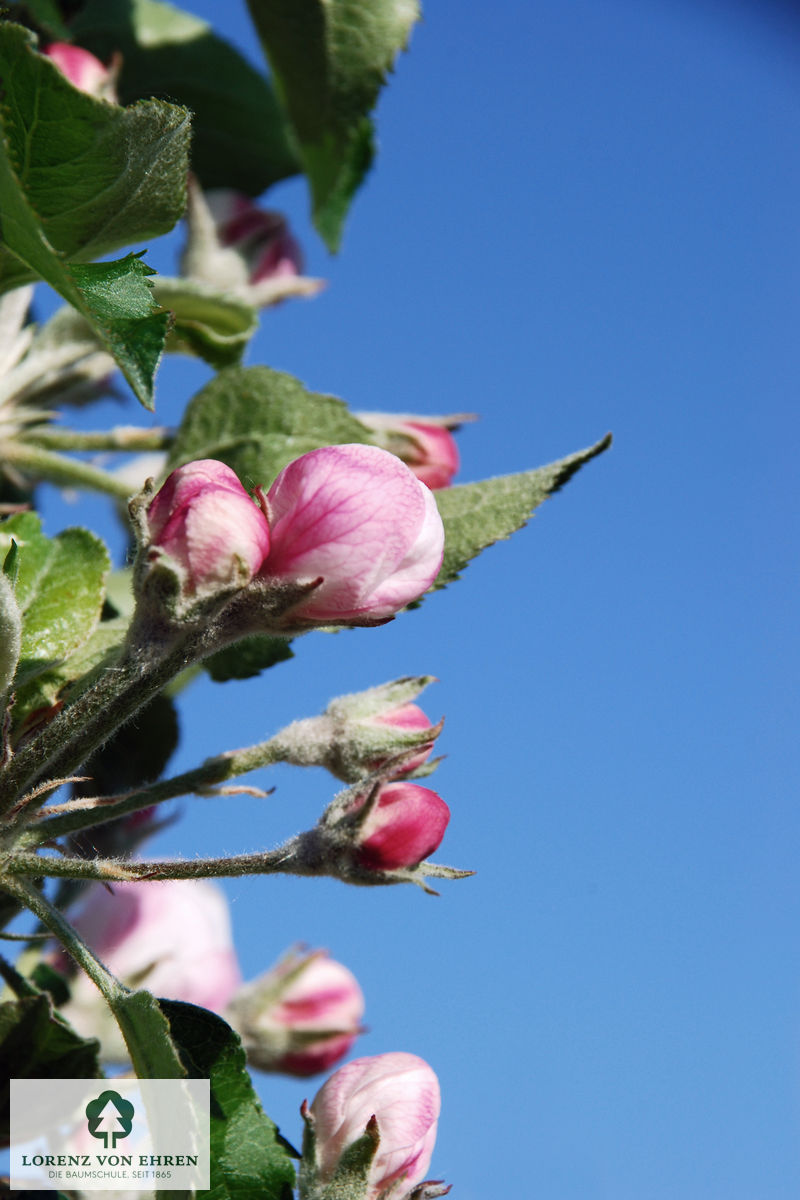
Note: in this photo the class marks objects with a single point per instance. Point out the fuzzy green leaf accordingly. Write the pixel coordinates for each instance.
(257, 420)
(80, 177)
(248, 1157)
(239, 134)
(477, 515)
(60, 589)
(210, 323)
(55, 684)
(45, 15)
(330, 59)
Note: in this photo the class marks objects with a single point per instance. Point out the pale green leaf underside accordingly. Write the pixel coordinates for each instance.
(477, 515)
(210, 323)
(330, 59)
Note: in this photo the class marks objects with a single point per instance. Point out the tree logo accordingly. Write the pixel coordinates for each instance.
(110, 1117)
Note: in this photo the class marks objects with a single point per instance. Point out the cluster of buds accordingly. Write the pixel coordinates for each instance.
(174, 937)
(370, 1131)
(346, 535)
(249, 251)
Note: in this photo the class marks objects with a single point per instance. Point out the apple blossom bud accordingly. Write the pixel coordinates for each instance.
(408, 718)
(360, 733)
(84, 71)
(425, 444)
(404, 826)
(171, 936)
(207, 527)
(355, 525)
(394, 1100)
(260, 236)
(300, 1017)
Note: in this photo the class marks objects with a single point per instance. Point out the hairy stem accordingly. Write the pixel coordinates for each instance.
(213, 771)
(282, 861)
(68, 740)
(56, 922)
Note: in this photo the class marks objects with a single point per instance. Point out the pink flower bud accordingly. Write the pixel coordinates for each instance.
(426, 446)
(301, 1017)
(205, 522)
(408, 718)
(405, 826)
(83, 70)
(172, 937)
(402, 1093)
(355, 518)
(260, 237)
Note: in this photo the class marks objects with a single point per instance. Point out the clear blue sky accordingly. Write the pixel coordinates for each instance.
(584, 217)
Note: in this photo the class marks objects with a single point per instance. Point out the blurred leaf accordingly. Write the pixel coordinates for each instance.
(80, 177)
(239, 136)
(210, 323)
(477, 515)
(247, 658)
(330, 59)
(35, 1043)
(248, 1157)
(59, 590)
(45, 14)
(257, 420)
(137, 753)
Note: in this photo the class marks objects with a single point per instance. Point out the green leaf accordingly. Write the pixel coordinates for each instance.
(210, 323)
(239, 134)
(80, 177)
(247, 658)
(36, 1043)
(46, 15)
(60, 590)
(257, 420)
(10, 635)
(248, 1157)
(477, 515)
(147, 1036)
(329, 59)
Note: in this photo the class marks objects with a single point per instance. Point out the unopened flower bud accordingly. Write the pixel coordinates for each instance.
(355, 525)
(84, 71)
(204, 524)
(260, 236)
(301, 1017)
(234, 245)
(359, 733)
(170, 936)
(390, 1100)
(425, 444)
(404, 826)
